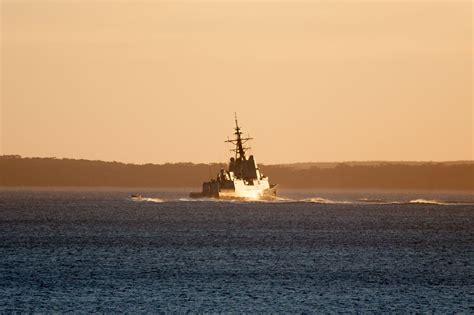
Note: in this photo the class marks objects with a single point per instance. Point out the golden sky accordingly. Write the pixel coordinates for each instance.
(155, 81)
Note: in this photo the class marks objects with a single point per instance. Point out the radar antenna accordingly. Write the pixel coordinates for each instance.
(239, 142)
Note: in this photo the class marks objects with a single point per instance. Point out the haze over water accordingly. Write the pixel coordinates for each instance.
(100, 251)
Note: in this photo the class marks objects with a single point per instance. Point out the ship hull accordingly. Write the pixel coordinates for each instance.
(247, 193)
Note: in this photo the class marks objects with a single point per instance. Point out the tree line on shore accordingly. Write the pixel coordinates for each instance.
(17, 171)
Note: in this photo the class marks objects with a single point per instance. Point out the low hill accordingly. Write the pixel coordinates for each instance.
(18, 171)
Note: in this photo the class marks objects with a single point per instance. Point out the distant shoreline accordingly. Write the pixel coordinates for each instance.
(16, 171)
(187, 190)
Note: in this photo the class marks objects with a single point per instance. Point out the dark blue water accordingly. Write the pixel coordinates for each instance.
(343, 252)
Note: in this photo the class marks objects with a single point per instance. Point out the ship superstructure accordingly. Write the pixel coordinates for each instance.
(242, 180)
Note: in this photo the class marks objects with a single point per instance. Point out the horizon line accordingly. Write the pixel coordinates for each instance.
(285, 163)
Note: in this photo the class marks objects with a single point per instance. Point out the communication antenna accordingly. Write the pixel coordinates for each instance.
(239, 142)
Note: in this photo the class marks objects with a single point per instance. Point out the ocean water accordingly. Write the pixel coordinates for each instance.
(309, 251)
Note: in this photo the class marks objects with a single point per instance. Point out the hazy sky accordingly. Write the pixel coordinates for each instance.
(150, 81)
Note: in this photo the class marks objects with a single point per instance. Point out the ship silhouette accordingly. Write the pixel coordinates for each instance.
(242, 180)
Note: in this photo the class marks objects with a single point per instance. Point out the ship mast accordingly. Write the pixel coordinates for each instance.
(239, 142)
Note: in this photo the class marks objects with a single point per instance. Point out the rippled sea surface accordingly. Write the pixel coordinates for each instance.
(101, 251)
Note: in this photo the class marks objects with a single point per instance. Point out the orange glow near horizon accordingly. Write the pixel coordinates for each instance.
(310, 81)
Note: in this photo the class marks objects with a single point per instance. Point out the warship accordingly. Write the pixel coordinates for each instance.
(242, 180)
